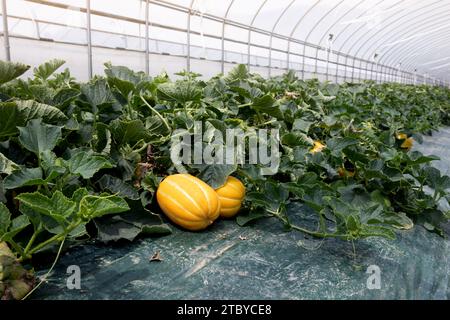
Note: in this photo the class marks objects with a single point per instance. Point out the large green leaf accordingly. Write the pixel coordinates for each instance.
(239, 72)
(86, 164)
(128, 226)
(7, 166)
(122, 78)
(18, 113)
(97, 206)
(180, 91)
(39, 137)
(118, 186)
(97, 93)
(337, 144)
(127, 132)
(266, 104)
(215, 174)
(58, 206)
(17, 225)
(11, 70)
(24, 177)
(46, 69)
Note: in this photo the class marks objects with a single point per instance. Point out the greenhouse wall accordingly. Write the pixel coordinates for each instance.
(335, 41)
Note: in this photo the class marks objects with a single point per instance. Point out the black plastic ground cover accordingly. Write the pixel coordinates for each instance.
(263, 261)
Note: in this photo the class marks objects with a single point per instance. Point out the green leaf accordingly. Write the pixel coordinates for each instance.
(337, 144)
(18, 113)
(58, 207)
(38, 137)
(5, 219)
(127, 132)
(86, 164)
(294, 139)
(239, 72)
(139, 221)
(118, 186)
(64, 97)
(46, 69)
(24, 177)
(97, 206)
(122, 78)
(301, 125)
(266, 104)
(417, 158)
(17, 225)
(97, 93)
(7, 166)
(180, 92)
(11, 70)
(155, 128)
(215, 174)
(271, 196)
(244, 219)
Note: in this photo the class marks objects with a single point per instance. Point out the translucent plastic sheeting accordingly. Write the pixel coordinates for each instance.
(263, 261)
(408, 37)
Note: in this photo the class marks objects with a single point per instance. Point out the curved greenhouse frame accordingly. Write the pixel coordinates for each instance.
(338, 40)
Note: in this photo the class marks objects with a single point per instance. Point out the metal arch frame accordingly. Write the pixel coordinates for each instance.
(418, 54)
(431, 23)
(185, 9)
(441, 70)
(147, 37)
(222, 65)
(392, 16)
(390, 58)
(382, 32)
(311, 31)
(188, 37)
(409, 60)
(6, 31)
(273, 31)
(343, 30)
(351, 36)
(328, 31)
(379, 33)
(393, 31)
(250, 31)
(411, 63)
(294, 29)
(89, 38)
(35, 22)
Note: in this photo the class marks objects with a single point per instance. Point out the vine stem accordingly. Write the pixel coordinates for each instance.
(311, 233)
(44, 278)
(30, 243)
(157, 113)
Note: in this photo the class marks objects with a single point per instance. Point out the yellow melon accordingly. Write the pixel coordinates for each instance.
(231, 195)
(188, 201)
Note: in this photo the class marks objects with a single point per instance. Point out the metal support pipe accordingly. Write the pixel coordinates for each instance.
(188, 38)
(272, 32)
(147, 46)
(6, 31)
(89, 38)
(222, 66)
(250, 32)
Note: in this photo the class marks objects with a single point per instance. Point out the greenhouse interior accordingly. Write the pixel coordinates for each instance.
(225, 150)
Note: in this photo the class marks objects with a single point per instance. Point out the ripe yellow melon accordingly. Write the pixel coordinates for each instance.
(188, 201)
(231, 195)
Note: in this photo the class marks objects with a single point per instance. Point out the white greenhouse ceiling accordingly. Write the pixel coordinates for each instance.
(409, 38)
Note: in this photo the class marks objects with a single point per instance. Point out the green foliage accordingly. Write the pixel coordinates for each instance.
(75, 157)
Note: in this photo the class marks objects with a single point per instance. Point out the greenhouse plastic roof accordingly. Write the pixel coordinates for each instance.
(410, 35)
